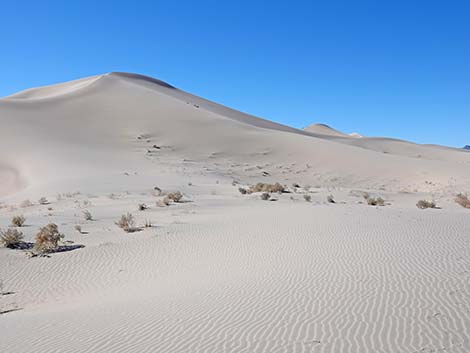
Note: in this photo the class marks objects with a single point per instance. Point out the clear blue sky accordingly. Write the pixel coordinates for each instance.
(382, 68)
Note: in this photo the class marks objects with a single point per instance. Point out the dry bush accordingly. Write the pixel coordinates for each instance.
(26, 203)
(263, 187)
(43, 201)
(164, 202)
(423, 204)
(78, 228)
(18, 221)
(142, 207)
(87, 215)
(175, 196)
(330, 199)
(242, 191)
(11, 238)
(126, 223)
(463, 200)
(375, 201)
(307, 197)
(265, 196)
(48, 238)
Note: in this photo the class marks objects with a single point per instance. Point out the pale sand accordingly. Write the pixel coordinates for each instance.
(224, 272)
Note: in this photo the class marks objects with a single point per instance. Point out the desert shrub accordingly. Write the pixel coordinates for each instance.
(307, 197)
(126, 222)
(11, 238)
(18, 221)
(43, 201)
(175, 196)
(78, 228)
(87, 215)
(375, 201)
(242, 191)
(263, 187)
(142, 207)
(330, 199)
(423, 204)
(463, 200)
(265, 196)
(164, 202)
(48, 238)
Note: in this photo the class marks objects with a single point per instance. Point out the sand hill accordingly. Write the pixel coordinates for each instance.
(223, 271)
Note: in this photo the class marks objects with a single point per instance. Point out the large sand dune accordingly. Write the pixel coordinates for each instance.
(224, 272)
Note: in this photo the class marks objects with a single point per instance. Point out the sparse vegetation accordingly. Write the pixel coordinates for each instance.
(18, 221)
(242, 191)
(175, 196)
(373, 201)
(270, 188)
(142, 207)
(265, 196)
(463, 200)
(48, 238)
(11, 238)
(78, 228)
(307, 197)
(423, 204)
(126, 223)
(87, 215)
(330, 199)
(164, 202)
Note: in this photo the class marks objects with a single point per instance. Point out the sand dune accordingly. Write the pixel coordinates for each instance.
(222, 271)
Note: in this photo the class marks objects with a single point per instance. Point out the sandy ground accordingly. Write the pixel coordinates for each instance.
(222, 271)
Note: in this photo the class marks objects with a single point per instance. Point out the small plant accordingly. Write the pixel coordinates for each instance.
(142, 207)
(126, 223)
(87, 215)
(48, 238)
(43, 201)
(372, 201)
(463, 200)
(307, 197)
(11, 238)
(423, 204)
(164, 202)
(262, 187)
(330, 199)
(265, 196)
(175, 196)
(242, 191)
(78, 228)
(18, 221)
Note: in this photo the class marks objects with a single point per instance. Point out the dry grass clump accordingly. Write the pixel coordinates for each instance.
(242, 191)
(18, 221)
(48, 238)
(164, 202)
(265, 196)
(175, 196)
(373, 201)
(263, 187)
(423, 204)
(87, 215)
(307, 197)
(142, 207)
(126, 223)
(463, 200)
(11, 238)
(330, 199)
